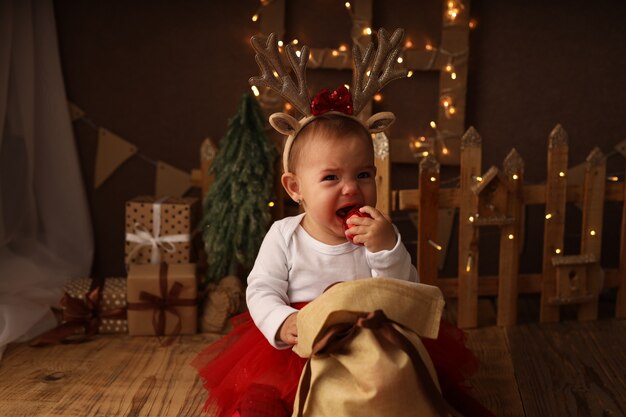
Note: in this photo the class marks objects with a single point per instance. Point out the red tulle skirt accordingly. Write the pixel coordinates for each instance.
(242, 370)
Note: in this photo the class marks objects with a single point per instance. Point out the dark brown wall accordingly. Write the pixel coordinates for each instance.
(165, 75)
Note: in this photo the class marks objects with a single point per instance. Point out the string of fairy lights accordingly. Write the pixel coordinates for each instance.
(361, 33)
(424, 145)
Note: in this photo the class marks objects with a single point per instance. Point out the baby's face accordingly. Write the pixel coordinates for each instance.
(335, 175)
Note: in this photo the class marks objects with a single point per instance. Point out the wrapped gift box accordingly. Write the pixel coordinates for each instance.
(160, 230)
(112, 309)
(162, 299)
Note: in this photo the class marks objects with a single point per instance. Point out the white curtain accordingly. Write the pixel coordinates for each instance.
(45, 230)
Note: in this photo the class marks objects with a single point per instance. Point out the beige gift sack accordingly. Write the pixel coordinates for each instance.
(366, 358)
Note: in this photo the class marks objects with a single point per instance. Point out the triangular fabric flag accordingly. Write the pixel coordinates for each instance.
(171, 181)
(75, 112)
(111, 153)
(621, 148)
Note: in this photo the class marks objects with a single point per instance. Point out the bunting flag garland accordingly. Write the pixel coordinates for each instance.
(621, 148)
(113, 150)
(75, 112)
(171, 181)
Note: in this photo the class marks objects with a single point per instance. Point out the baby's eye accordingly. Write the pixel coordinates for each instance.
(364, 175)
(329, 178)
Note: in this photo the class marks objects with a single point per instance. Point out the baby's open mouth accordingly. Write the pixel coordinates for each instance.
(343, 212)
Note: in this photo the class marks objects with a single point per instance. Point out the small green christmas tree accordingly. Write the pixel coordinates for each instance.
(236, 212)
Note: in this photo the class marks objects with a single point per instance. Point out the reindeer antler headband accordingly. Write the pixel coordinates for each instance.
(372, 71)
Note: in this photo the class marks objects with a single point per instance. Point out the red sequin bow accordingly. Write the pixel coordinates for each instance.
(339, 100)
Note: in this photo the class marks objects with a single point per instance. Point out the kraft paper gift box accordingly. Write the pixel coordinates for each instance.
(160, 230)
(111, 311)
(162, 299)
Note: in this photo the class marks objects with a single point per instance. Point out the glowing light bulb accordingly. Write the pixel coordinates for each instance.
(408, 44)
(295, 41)
(255, 17)
(445, 151)
(557, 251)
(425, 154)
(592, 232)
(335, 52)
(409, 74)
(473, 23)
(275, 73)
(453, 75)
(378, 97)
(280, 43)
(270, 204)
(515, 176)
(435, 245)
(433, 179)
(449, 68)
(298, 54)
(511, 237)
(348, 5)
(452, 110)
(471, 219)
(422, 138)
(613, 179)
(343, 48)
(347, 86)
(548, 216)
(429, 47)
(367, 31)
(400, 60)
(255, 90)
(561, 174)
(479, 178)
(433, 124)
(288, 106)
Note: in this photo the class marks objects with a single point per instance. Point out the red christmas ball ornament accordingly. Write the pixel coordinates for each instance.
(353, 213)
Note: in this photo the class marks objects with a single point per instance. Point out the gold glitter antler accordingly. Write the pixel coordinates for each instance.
(276, 77)
(381, 70)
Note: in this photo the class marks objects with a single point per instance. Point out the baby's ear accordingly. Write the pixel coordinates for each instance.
(380, 121)
(284, 123)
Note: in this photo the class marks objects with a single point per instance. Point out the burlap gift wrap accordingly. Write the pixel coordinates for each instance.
(159, 230)
(365, 354)
(112, 299)
(162, 299)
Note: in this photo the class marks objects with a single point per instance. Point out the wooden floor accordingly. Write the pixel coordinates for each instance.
(561, 370)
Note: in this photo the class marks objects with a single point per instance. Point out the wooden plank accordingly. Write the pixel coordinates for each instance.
(554, 228)
(383, 184)
(494, 385)
(526, 283)
(510, 241)
(427, 220)
(111, 375)
(468, 232)
(620, 307)
(570, 369)
(593, 210)
(532, 195)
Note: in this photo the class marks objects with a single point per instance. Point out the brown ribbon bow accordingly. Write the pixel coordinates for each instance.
(165, 302)
(337, 336)
(81, 319)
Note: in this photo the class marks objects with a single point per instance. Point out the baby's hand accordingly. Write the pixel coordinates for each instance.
(288, 332)
(375, 234)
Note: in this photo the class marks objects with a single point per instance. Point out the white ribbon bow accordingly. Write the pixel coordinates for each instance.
(143, 237)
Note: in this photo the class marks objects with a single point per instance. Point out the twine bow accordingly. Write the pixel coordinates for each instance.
(143, 237)
(166, 301)
(81, 319)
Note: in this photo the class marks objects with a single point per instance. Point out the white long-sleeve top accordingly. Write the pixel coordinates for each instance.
(294, 267)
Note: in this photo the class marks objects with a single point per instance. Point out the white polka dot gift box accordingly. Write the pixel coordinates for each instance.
(113, 299)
